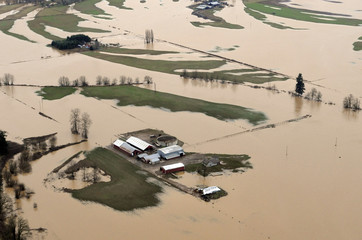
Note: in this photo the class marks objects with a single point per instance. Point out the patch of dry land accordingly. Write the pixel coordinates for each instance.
(305, 154)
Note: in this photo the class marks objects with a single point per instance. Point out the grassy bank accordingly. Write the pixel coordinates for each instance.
(129, 95)
(210, 15)
(53, 93)
(118, 3)
(229, 162)
(157, 65)
(58, 18)
(89, 7)
(127, 190)
(7, 23)
(357, 46)
(280, 10)
(8, 8)
(262, 17)
(134, 51)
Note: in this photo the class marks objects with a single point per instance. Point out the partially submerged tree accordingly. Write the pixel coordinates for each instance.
(299, 87)
(85, 124)
(351, 102)
(314, 95)
(99, 80)
(149, 36)
(83, 81)
(8, 79)
(63, 81)
(74, 120)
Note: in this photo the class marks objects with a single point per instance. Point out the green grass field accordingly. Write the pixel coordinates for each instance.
(134, 51)
(272, 8)
(58, 18)
(216, 21)
(229, 162)
(53, 93)
(8, 8)
(118, 3)
(127, 190)
(7, 23)
(357, 46)
(88, 7)
(129, 95)
(157, 65)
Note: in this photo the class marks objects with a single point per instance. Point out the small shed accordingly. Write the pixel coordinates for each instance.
(139, 143)
(125, 147)
(211, 161)
(210, 190)
(172, 168)
(170, 152)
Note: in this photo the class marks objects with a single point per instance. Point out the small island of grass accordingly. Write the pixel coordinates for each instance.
(127, 190)
(54, 93)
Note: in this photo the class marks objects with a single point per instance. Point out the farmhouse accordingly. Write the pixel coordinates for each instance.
(170, 152)
(125, 147)
(139, 144)
(210, 162)
(172, 168)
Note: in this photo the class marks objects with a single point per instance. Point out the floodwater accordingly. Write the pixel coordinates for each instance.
(305, 178)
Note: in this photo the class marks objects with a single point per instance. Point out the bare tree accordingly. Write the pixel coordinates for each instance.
(122, 80)
(149, 36)
(105, 81)
(99, 80)
(74, 120)
(53, 141)
(147, 79)
(137, 80)
(129, 80)
(114, 82)
(8, 79)
(85, 124)
(83, 81)
(63, 81)
(95, 177)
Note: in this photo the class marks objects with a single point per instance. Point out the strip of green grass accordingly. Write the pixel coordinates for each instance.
(357, 46)
(58, 18)
(229, 162)
(8, 8)
(300, 14)
(127, 190)
(53, 93)
(134, 51)
(118, 3)
(129, 95)
(210, 14)
(157, 65)
(7, 23)
(89, 7)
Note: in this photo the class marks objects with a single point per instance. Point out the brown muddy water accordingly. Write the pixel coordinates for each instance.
(306, 178)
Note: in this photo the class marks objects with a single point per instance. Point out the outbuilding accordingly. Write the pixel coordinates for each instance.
(172, 168)
(125, 147)
(210, 190)
(170, 152)
(139, 144)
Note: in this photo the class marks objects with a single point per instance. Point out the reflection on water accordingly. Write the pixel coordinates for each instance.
(350, 114)
(298, 105)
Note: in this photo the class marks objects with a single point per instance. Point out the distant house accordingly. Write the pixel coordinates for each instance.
(170, 152)
(210, 190)
(202, 7)
(210, 162)
(172, 168)
(125, 147)
(214, 3)
(139, 144)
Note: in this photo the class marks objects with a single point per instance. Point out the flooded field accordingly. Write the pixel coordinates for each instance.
(305, 178)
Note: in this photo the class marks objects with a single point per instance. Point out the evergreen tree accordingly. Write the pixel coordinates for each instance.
(299, 87)
(3, 143)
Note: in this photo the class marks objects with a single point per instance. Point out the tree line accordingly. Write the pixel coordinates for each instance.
(102, 80)
(7, 79)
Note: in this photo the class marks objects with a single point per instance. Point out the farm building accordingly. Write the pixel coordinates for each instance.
(125, 147)
(173, 168)
(210, 162)
(210, 190)
(151, 159)
(170, 152)
(139, 144)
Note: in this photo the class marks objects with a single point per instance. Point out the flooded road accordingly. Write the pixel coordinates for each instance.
(305, 178)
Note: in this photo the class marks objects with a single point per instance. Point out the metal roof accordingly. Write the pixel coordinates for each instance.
(128, 147)
(210, 190)
(173, 166)
(171, 149)
(138, 143)
(152, 156)
(118, 143)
